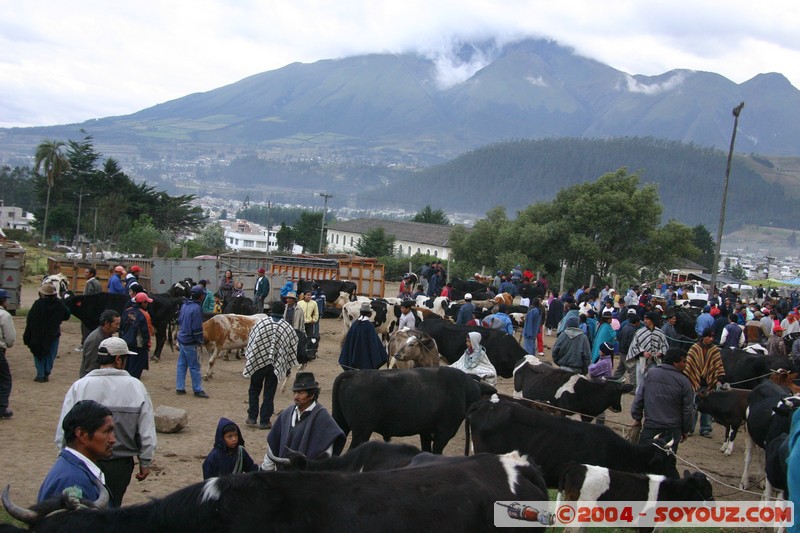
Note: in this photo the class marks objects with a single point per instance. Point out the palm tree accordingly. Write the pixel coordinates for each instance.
(49, 157)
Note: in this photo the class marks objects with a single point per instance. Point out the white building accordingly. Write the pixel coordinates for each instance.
(409, 237)
(15, 218)
(247, 236)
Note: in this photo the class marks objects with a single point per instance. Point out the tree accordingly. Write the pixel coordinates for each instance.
(54, 163)
(213, 238)
(431, 216)
(284, 237)
(223, 215)
(305, 231)
(704, 243)
(375, 243)
(141, 238)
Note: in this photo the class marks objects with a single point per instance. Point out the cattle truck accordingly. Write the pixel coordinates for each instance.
(12, 268)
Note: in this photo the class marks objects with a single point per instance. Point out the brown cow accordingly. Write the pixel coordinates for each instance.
(413, 348)
(226, 332)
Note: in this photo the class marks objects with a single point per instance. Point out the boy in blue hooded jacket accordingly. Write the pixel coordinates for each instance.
(228, 455)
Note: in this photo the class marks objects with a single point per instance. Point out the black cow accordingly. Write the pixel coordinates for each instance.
(370, 456)
(456, 294)
(330, 287)
(769, 414)
(503, 350)
(568, 390)
(728, 408)
(437, 497)
(163, 312)
(745, 370)
(429, 402)
(240, 305)
(467, 285)
(686, 319)
(553, 441)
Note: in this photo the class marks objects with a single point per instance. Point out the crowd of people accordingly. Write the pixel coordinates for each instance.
(107, 419)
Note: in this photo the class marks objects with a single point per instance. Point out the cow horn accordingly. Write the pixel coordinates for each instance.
(670, 443)
(102, 500)
(277, 460)
(20, 513)
(657, 437)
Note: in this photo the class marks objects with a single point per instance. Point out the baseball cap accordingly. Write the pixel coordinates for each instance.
(3, 294)
(468, 296)
(119, 269)
(114, 346)
(142, 297)
(261, 271)
(136, 268)
(197, 289)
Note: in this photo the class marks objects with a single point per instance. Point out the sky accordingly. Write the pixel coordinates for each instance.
(63, 62)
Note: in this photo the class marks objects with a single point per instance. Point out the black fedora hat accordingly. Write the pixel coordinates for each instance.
(305, 381)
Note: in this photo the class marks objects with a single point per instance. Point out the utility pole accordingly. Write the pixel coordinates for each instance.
(80, 201)
(736, 111)
(269, 222)
(94, 231)
(324, 212)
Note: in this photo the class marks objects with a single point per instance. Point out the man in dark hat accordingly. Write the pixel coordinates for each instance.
(270, 354)
(362, 348)
(307, 428)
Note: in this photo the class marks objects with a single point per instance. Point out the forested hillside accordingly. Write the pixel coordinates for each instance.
(519, 173)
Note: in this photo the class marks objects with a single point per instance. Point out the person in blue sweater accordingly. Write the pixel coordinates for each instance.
(705, 320)
(89, 435)
(190, 336)
(228, 455)
(115, 284)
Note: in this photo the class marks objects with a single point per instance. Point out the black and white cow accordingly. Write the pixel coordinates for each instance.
(554, 441)
(429, 402)
(727, 408)
(385, 316)
(590, 483)
(457, 496)
(503, 350)
(561, 388)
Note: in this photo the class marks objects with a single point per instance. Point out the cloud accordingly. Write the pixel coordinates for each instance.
(635, 86)
(64, 62)
(537, 81)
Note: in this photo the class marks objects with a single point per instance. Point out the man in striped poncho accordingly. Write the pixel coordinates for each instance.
(704, 369)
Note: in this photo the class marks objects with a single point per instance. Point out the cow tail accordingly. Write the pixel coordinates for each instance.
(466, 436)
(336, 409)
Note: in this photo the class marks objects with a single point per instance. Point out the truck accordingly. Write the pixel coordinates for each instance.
(12, 269)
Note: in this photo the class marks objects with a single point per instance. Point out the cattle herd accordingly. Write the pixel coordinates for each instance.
(516, 449)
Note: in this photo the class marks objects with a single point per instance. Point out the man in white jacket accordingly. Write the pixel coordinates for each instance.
(129, 401)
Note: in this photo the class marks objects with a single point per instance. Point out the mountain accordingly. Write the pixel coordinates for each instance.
(412, 110)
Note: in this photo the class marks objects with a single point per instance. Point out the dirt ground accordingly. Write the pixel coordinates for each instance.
(28, 450)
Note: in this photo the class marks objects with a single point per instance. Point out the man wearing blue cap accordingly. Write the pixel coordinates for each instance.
(8, 335)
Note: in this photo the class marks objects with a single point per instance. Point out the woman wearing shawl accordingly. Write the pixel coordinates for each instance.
(475, 361)
(605, 333)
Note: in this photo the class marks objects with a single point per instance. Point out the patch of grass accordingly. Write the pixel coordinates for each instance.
(5, 518)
